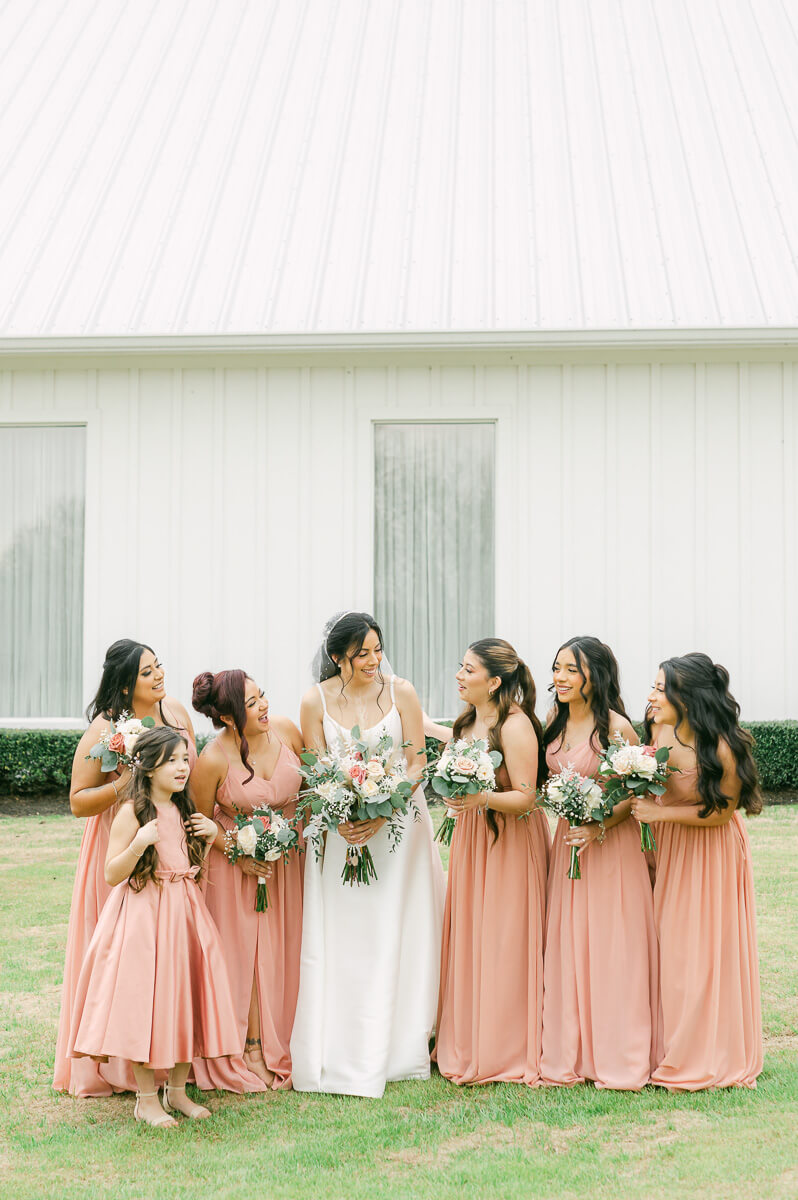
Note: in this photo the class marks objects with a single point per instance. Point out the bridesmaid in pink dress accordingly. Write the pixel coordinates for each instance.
(153, 988)
(132, 681)
(253, 762)
(491, 991)
(710, 1015)
(600, 976)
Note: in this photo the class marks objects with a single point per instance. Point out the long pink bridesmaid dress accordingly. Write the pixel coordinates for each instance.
(82, 1077)
(491, 990)
(261, 946)
(704, 907)
(600, 973)
(153, 986)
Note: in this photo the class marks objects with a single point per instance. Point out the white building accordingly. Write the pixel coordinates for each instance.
(479, 314)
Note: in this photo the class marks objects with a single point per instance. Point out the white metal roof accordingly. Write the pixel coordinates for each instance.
(179, 167)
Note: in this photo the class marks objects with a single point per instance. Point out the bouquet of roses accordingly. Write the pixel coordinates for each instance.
(578, 798)
(465, 768)
(635, 771)
(264, 836)
(117, 741)
(358, 785)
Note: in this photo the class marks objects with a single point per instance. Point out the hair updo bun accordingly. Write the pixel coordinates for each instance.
(222, 695)
(201, 696)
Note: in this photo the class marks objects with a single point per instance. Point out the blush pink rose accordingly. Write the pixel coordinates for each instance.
(464, 766)
(117, 743)
(357, 772)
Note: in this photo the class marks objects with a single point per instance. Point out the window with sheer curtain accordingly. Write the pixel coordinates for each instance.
(42, 499)
(434, 549)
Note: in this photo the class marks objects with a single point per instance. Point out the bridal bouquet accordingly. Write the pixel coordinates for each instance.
(116, 744)
(358, 785)
(465, 768)
(578, 798)
(265, 836)
(635, 771)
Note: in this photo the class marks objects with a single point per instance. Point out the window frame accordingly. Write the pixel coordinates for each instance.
(47, 419)
(500, 413)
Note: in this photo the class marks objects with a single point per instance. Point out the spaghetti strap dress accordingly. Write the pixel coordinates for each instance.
(83, 1077)
(262, 946)
(491, 997)
(709, 1004)
(368, 980)
(153, 987)
(600, 973)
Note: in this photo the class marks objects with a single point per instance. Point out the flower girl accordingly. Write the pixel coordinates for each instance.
(153, 987)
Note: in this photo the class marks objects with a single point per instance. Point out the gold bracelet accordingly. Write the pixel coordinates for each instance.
(602, 834)
(116, 789)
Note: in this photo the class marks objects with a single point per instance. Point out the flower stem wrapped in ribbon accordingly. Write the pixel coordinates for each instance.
(264, 836)
(578, 798)
(465, 768)
(629, 770)
(116, 743)
(359, 784)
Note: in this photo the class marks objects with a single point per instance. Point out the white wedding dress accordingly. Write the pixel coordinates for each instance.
(368, 982)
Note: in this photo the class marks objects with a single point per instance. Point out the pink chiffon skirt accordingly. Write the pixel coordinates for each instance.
(491, 993)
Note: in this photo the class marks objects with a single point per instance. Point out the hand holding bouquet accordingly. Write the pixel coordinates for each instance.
(116, 743)
(635, 771)
(465, 768)
(264, 836)
(360, 784)
(578, 798)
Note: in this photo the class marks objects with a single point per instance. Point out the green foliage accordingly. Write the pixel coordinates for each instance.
(40, 760)
(776, 753)
(36, 760)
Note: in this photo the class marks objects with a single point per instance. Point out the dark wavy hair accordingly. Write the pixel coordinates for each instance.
(345, 640)
(517, 687)
(118, 682)
(605, 696)
(699, 691)
(222, 695)
(151, 749)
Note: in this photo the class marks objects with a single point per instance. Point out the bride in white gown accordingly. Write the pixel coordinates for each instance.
(368, 984)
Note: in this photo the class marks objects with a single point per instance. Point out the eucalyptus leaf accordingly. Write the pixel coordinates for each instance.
(148, 722)
(109, 760)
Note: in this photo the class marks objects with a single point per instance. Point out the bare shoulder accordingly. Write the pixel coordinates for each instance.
(92, 735)
(517, 726)
(178, 710)
(311, 701)
(404, 690)
(623, 726)
(212, 754)
(126, 819)
(287, 732)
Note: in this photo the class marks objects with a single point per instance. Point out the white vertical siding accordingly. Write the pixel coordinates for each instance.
(229, 509)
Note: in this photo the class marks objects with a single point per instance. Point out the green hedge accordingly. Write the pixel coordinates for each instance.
(40, 760)
(776, 753)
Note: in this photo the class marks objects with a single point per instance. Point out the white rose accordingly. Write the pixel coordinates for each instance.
(594, 793)
(130, 741)
(464, 766)
(623, 762)
(375, 769)
(247, 839)
(369, 788)
(273, 855)
(647, 765)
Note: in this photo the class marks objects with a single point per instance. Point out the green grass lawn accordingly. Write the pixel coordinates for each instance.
(423, 1139)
